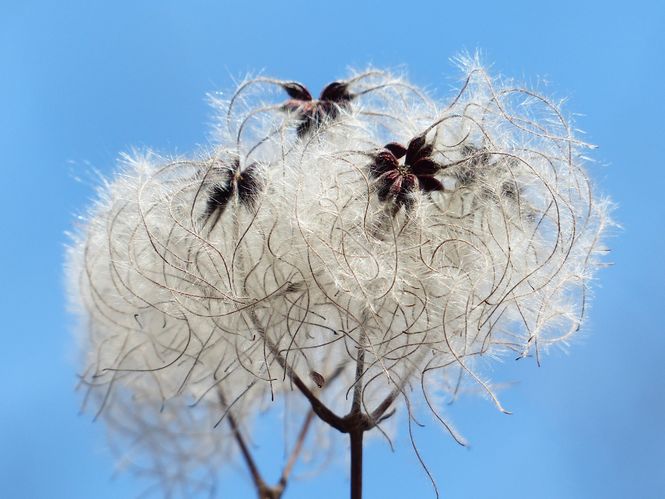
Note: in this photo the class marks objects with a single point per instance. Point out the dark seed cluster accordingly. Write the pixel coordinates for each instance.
(396, 182)
(310, 113)
(245, 184)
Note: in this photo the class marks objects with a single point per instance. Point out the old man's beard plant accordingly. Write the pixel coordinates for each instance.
(342, 259)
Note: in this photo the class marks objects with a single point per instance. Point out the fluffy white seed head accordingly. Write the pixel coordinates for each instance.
(286, 253)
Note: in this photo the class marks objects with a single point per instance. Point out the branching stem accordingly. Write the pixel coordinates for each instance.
(263, 490)
(355, 423)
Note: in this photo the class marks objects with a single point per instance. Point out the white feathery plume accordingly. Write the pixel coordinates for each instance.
(371, 245)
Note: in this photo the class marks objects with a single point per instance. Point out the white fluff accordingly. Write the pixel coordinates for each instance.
(176, 308)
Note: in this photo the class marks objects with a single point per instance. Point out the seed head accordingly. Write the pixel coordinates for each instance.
(283, 254)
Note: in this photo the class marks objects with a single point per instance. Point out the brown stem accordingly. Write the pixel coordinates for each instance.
(355, 423)
(357, 388)
(356, 437)
(377, 414)
(358, 421)
(263, 490)
(321, 410)
(295, 452)
(318, 407)
(259, 483)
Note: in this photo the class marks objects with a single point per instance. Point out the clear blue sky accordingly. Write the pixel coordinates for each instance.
(82, 81)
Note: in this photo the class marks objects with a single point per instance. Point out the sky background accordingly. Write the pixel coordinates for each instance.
(83, 81)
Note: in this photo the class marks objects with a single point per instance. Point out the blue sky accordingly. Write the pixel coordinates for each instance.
(82, 81)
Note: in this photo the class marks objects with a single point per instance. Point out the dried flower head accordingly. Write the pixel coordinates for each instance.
(395, 181)
(309, 113)
(281, 266)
